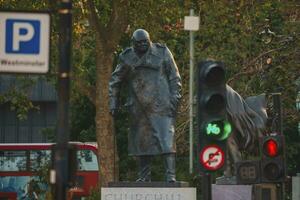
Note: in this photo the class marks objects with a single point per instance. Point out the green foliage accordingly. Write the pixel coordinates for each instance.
(82, 119)
(17, 96)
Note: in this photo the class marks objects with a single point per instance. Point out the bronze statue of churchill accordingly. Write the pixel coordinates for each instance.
(154, 86)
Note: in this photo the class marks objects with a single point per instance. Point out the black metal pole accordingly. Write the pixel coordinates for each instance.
(63, 130)
(206, 186)
(277, 112)
(279, 130)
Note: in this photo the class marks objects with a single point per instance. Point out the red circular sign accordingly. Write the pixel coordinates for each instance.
(212, 157)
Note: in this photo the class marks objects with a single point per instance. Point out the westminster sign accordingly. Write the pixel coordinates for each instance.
(24, 42)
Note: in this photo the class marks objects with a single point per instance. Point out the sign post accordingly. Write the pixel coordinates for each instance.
(191, 23)
(24, 42)
(62, 163)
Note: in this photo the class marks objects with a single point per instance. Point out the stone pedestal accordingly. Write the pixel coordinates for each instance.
(177, 184)
(231, 192)
(296, 187)
(264, 191)
(148, 191)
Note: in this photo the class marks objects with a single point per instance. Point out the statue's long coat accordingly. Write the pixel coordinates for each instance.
(154, 91)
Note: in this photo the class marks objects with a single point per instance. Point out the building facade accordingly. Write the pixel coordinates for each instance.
(38, 122)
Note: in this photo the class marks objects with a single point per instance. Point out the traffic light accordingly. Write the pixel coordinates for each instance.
(212, 126)
(272, 158)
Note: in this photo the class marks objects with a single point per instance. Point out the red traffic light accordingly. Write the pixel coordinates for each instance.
(273, 159)
(271, 148)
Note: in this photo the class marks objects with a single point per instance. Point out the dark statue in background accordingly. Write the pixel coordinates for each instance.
(248, 118)
(154, 86)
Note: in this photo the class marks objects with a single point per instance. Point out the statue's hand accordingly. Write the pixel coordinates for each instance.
(113, 106)
(114, 112)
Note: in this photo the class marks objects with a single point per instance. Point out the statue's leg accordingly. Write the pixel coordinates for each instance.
(170, 167)
(144, 165)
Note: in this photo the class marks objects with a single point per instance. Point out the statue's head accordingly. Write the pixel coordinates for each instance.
(141, 41)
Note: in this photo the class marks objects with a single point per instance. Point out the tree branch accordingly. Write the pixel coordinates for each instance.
(95, 21)
(251, 71)
(261, 55)
(118, 23)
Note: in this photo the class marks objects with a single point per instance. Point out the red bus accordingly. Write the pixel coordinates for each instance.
(21, 166)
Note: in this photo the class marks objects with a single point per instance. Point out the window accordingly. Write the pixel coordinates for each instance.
(12, 160)
(87, 160)
(39, 159)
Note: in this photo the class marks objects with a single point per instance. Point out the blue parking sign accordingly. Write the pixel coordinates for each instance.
(24, 42)
(22, 36)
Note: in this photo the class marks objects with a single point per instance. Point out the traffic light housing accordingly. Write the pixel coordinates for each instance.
(212, 126)
(272, 158)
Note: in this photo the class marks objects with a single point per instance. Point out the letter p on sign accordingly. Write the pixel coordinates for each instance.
(22, 36)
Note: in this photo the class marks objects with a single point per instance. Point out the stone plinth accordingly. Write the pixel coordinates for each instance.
(232, 192)
(148, 191)
(263, 191)
(148, 184)
(296, 187)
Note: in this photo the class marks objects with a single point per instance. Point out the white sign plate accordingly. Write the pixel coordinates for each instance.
(126, 193)
(212, 157)
(24, 42)
(191, 23)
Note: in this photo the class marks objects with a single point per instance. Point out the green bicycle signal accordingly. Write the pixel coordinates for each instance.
(213, 129)
(218, 129)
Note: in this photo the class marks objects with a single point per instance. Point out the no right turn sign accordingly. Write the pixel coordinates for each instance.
(212, 157)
